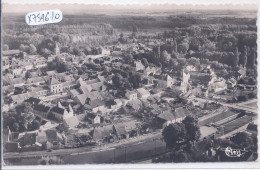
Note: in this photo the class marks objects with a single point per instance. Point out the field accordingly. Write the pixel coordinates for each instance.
(251, 104)
(229, 127)
(216, 118)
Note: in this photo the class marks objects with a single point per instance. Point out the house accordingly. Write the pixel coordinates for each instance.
(11, 52)
(180, 113)
(51, 58)
(241, 73)
(60, 113)
(96, 105)
(51, 73)
(180, 86)
(218, 85)
(123, 130)
(41, 140)
(41, 110)
(40, 64)
(71, 123)
(17, 71)
(6, 62)
(232, 82)
(86, 98)
(139, 66)
(55, 86)
(191, 68)
(35, 80)
(26, 65)
(164, 119)
(149, 71)
(200, 91)
(93, 118)
(165, 81)
(33, 101)
(118, 104)
(68, 85)
(142, 93)
(101, 133)
(96, 84)
(72, 93)
(40, 90)
(19, 98)
(12, 146)
(136, 104)
(131, 95)
(168, 116)
(185, 77)
(198, 103)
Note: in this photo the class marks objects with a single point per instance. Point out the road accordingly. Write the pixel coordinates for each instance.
(52, 97)
(235, 105)
(138, 148)
(109, 146)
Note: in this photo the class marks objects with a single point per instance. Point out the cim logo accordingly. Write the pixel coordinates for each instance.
(234, 152)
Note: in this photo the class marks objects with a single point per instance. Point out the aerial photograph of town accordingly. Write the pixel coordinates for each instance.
(136, 85)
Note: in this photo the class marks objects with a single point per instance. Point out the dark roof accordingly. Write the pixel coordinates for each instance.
(54, 81)
(91, 115)
(41, 108)
(58, 110)
(53, 135)
(120, 129)
(181, 112)
(15, 135)
(96, 103)
(167, 115)
(101, 132)
(33, 100)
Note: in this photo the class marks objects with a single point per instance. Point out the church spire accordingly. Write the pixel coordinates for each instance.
(59, 105)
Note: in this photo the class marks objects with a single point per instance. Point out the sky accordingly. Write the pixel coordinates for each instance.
(36, 5)
(134, 1)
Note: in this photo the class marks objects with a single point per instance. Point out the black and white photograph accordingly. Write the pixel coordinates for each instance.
(128, 84)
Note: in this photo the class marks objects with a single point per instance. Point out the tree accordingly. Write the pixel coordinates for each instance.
(63, 67)
(175, 46)
(183, 47)
(34, 125)
(236, 58)
(5, 47)
(28, 75)
(173, 133)
(109, 103)
(117, 80)
(32, 49)
(45, 52)
(242, 139)
(251, 57)
(179, 157)
(28, 107)
(128, 58)
(193, 61)
(224, 73)
(165, 57)
(243, 57)
(22, 48)
(135, 79)
(145, 62)
(192, 128)
(135, 29)
(15, 127)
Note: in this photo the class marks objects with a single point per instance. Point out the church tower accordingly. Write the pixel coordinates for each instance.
(57, 49)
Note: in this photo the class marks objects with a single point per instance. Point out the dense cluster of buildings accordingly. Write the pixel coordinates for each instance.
(24, 80)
